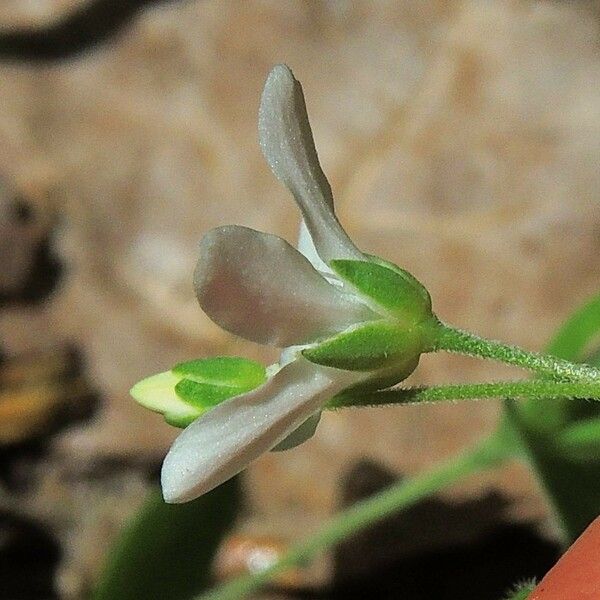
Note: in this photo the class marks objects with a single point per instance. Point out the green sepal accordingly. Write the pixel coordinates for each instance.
(191, 388)
(181, 421)
(369, 346)
(388, 286)
(204, 396)
(231, 371)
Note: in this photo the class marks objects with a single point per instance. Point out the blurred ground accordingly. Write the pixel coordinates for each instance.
(461, 139)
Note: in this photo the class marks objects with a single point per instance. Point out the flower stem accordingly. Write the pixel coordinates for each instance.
(456, 340)
(531, 390)
(361, 515)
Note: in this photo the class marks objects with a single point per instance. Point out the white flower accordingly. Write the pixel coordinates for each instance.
(337, 331)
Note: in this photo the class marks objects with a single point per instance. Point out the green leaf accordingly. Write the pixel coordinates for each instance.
(232, 371)
(558, 435)
(570, 480)
(166, 552)
(581, 440)
(392, 289)
(578, 331)
(370, 346)
(575, 337)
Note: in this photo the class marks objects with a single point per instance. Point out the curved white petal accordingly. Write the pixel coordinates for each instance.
(306, 246)
(224, 441)
(287, 143)
(259, 287)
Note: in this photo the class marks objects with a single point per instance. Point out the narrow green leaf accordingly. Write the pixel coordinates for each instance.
(232, 371)
(571, 482)
(391, 288)
(167, 550)
(577, 333)
(581, 440)
(366, 347)
(569, 472)
(582, 432)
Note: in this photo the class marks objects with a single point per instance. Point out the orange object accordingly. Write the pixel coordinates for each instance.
(576, 576)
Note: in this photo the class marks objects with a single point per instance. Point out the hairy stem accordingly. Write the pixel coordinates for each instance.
(531, 390)
(456, 340)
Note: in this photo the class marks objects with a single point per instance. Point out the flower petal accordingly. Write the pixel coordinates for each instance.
(224, 441)
(306, 247)
(287, 143)
(259, 287)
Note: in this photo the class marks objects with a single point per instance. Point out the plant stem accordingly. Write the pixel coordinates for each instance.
(361, 515)
(463, 342)
(531, 390)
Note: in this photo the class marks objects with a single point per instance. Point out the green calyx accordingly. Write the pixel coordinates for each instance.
(387, 288)
(231, 371)
(372, 346)
(390, 346)
(191, 388)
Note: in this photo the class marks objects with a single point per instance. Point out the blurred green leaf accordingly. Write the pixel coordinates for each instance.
(581, 438)
(561, 437)
(577, 333)
(167, 550)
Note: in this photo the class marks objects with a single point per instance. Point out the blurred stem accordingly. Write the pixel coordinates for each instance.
(456, 340)
(485, 454)
(530, 390)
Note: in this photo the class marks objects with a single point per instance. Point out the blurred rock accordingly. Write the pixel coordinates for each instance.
(40, 393)
(29, 268)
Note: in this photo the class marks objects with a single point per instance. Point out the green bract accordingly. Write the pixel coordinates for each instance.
(191, 388)
(370, 346)
(386, 286)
